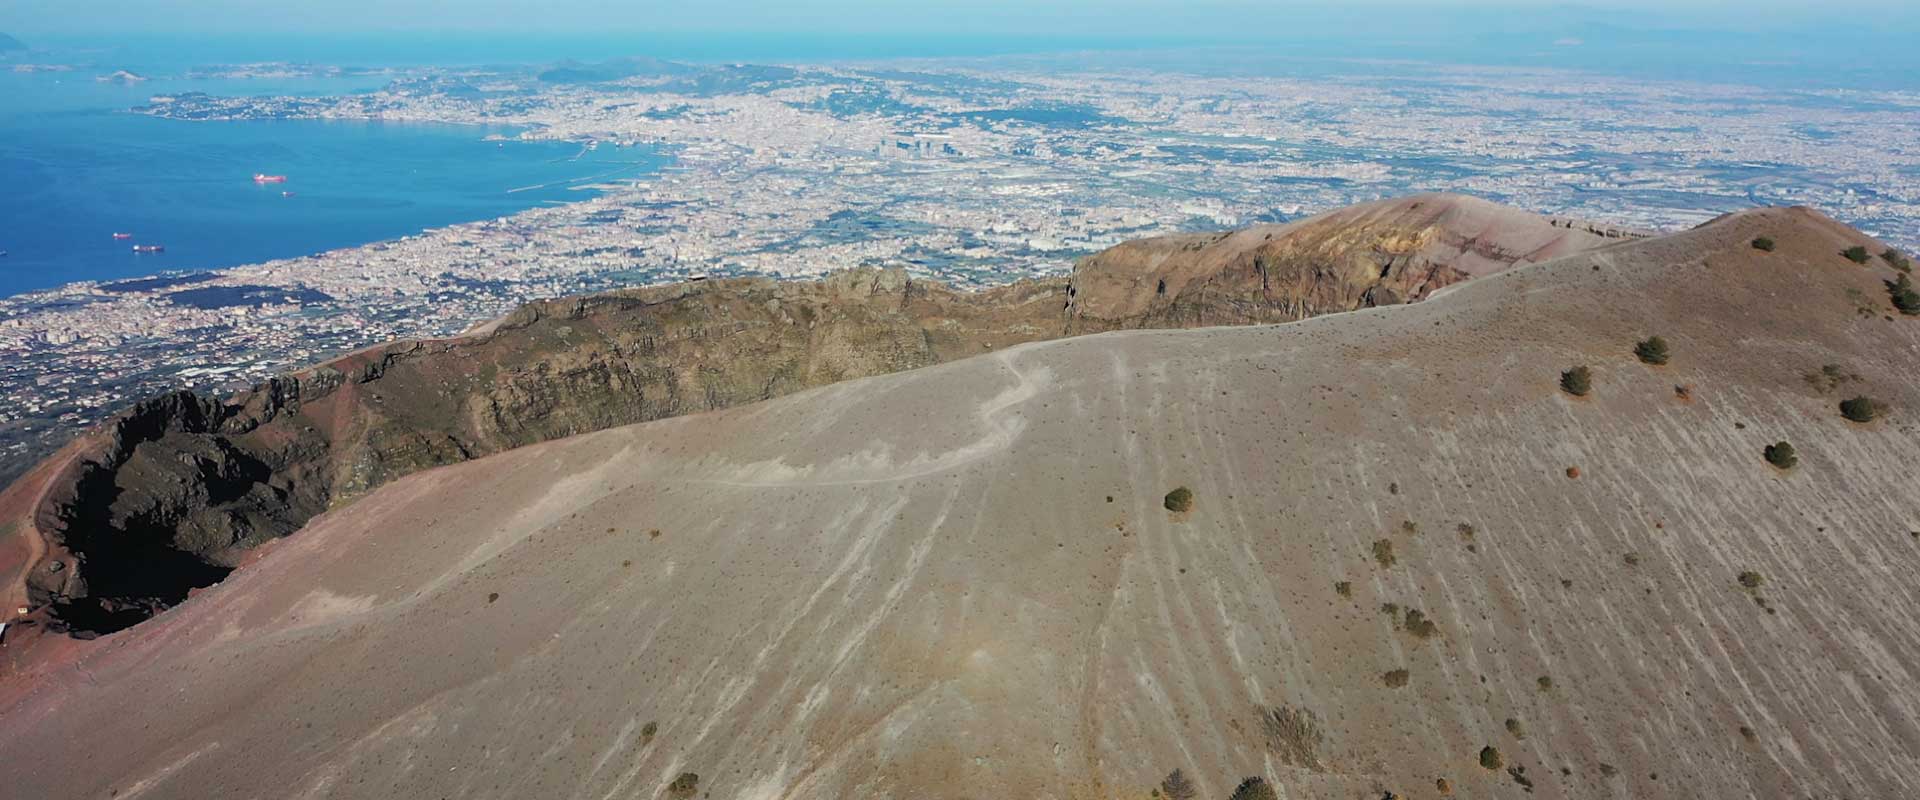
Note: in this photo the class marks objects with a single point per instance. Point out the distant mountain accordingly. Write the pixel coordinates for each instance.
(8, 43)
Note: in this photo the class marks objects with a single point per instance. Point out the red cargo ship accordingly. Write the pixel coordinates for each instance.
(261, 177)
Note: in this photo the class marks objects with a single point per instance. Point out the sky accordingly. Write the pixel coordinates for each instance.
(1238, 19)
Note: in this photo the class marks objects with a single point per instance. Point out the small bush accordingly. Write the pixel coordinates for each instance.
(648, 730)
(1293, 734)
(1254, 789)
(1546, 683)
(685, 786)
(1830, 377)
(1343, 588)
(1177, 787)
(1490, 757)
(1763, 243)
(1409, 527)
(1577, 381)
(1904, 297)
(1856, 254)
(1751, 579)
(1652, 350)
(1419, 625)
(1781, 454)
(1395, 679)
(1896, 260)
(1179, 501)
(1383, 552)
(1860, 409)
(1514, 727)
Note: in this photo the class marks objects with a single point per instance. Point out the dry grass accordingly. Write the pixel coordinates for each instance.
(1292, 735)
(1383, 553)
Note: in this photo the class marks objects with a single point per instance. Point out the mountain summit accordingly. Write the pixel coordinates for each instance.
(1399, 550)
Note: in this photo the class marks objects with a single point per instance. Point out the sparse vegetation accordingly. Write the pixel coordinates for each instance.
(1343, 588)
(647, 731)
(1442, 786)
(1546, 683)
(1179, 501)
(1896, 259)
(1763, 243)
(1829, 377)
(1383, 552)
(1652, 350)
(1856, 254)
(1577, 381)
(1904, 297)
(1254, 789)
(1861, 409)
(1751, 579)
(1782, 455)
(1293, 735)
(1178, 787)
(493, 596)
(1418, 624)
(1490, 757)
(1395, 678)
(685, 786)
(1409, 527)
(1514, 727)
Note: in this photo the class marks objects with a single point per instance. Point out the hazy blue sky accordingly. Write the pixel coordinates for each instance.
(1226, 18)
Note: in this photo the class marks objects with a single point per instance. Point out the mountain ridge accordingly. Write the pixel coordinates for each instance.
(168, 496)
(1412, 564)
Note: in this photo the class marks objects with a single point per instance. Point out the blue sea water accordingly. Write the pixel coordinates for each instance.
(75, 169)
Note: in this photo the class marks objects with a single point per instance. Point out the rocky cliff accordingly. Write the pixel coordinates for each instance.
(172, 494)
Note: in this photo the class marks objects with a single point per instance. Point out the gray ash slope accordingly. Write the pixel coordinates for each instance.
(960, 581)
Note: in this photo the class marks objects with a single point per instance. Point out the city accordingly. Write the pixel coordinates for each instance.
(974, 173)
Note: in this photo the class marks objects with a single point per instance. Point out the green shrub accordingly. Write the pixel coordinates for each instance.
(1652, 350)
(1763, 243)
(1856, 254)
(1490, 757)
(1418, 624)
(1177, 787)
(1180, 500)
(1343, 588)
(1254, 789)
(1395, 679)
(1896, 259)
(1514, 727)
(1781, 454)
(1383, 552)
(685, 786)
(1860, 409)
(1751, 579)
(1904, 297)
(1577, 381)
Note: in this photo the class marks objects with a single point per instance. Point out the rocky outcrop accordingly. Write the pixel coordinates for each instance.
(172, 494)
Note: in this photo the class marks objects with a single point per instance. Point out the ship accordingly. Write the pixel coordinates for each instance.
(149, 248)
(261, 177)
(123, 236)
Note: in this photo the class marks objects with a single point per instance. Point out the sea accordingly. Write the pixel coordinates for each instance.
(77, 168)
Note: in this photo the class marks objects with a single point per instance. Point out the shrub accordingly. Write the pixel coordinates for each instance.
(1781, 454)
(1254, 789)
(1177, 787)
(1652, 350)
(1514, 727)
(1904, 297)
(685, 786)
(1751, 579)
(1830, 377)
(1395, 679)
(1856, 254)
(1763, 243)
(648, 730)
(1860, 409)
(1293, 735)
(1383, 552)
(1546, 683)
(1577, 381)
(1344, 588)
(1899, 262)
(1490, 757)
(1419, 625)
(1179, 501)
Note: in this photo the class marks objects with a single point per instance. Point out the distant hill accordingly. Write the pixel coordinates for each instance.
(9, 43)
(1375, 554)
